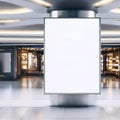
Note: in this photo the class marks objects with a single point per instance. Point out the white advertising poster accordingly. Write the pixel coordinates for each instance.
(72, 55)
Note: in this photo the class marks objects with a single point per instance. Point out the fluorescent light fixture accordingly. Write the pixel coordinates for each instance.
(43, 3)
(116, 10)
(9, 21)
(9, 39)
(110, 39)
(110, 32)
(102, 3)
(15, 11)
(18, 32)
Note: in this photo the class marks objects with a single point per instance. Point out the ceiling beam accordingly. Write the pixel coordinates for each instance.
(21, 40)
(31, 15)
(114, 41)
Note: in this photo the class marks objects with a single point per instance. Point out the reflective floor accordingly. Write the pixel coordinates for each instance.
(24, 82)
(110, 82)
(25, 100)
(27, 91)
(55, 113)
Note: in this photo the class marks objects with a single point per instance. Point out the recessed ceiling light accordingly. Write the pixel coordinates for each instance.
(102, 3)
(116, 10)
(43, 3)
(15, 11)
(9, 21)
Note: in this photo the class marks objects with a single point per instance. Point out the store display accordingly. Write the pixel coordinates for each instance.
(30, 60)
(111, 65)
(24, 61)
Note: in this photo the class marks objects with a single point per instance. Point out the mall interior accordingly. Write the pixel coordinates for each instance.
(22, 63)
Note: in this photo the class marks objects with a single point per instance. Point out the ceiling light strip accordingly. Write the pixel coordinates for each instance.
(15, 11)
(43, 3)
(116, 10)
(102, 3)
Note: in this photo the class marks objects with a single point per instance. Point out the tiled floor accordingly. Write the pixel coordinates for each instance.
(59, 113)
(25, 100)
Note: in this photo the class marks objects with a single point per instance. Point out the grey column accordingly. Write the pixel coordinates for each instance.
(15, 63)
(73, 99)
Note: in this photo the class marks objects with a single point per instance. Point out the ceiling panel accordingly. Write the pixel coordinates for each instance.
(6, 5)
(39, 12)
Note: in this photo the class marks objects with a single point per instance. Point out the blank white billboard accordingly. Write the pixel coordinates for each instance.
(72, 52)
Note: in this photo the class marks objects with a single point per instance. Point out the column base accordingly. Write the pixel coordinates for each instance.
(73, 100)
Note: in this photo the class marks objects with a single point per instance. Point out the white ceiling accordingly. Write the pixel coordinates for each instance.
(31, 15)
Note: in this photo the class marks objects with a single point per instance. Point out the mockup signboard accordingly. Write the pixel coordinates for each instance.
(72, 52)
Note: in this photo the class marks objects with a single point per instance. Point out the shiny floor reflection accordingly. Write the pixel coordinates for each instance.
(38, 82)
(24, 82)
(110, 82)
